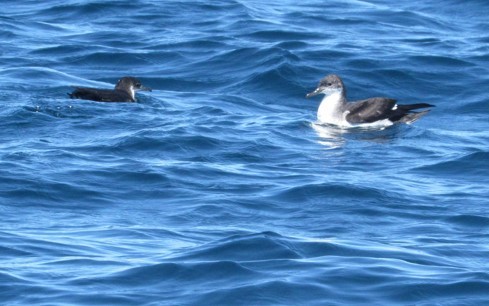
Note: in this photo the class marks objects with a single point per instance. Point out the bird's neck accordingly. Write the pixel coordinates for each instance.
(331, 108)
(130, 91)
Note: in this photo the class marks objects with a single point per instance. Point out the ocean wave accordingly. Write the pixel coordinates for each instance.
(218, 187)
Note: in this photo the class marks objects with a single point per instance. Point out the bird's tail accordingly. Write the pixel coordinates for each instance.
(411, 117)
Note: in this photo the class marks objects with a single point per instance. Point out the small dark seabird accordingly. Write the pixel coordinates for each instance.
(335, 109)
(124, 91)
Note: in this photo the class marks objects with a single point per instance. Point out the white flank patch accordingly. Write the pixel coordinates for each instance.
(377, 124)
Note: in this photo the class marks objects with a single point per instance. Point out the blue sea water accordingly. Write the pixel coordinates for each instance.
(218, 188)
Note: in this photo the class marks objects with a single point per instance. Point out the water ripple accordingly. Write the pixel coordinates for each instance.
(218, 187)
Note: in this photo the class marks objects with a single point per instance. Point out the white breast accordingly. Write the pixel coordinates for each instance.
(329, 110)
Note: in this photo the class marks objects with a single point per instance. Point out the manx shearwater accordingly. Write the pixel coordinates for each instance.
(335, 109)
(124, 91)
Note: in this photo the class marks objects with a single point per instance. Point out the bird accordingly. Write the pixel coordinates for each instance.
(379, 111)
(124, 91)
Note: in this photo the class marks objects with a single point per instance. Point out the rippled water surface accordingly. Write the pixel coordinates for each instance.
(218, 188)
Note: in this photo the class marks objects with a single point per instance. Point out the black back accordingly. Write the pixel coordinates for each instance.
(101, 95)
(375, 109)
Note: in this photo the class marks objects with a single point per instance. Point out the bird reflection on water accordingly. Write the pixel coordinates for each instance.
(334, 137)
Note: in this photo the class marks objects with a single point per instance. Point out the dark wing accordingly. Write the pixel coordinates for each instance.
(101, 95)
(370, 110)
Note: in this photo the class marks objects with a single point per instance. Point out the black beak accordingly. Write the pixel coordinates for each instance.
(144, 88)
(316, 92)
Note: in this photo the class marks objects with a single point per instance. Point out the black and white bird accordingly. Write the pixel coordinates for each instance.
(124, 91)
(335, 109)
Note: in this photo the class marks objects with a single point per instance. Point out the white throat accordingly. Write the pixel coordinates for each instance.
(330, 111)
(132, 92)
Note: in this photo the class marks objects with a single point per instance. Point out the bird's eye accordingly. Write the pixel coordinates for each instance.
(329, 84)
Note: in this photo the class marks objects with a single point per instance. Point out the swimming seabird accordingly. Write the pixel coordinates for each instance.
(124, 91)
(335, 109)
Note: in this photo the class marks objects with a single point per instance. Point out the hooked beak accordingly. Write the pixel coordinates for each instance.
(316, 92)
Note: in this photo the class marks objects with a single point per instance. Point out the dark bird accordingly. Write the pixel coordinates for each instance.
(124, 91)
(335, 109)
